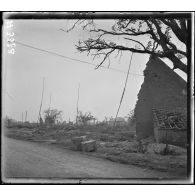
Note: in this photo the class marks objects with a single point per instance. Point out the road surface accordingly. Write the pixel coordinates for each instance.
(22, 159)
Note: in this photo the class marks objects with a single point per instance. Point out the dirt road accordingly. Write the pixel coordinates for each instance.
(22, 159)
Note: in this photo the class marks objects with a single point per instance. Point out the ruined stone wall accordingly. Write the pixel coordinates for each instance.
(171, 126)
(162, 88)
(143, 113)
(174, 137)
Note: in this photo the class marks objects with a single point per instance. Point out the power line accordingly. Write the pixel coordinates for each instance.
(73, 59)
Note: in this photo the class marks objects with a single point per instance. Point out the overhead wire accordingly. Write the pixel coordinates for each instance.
(73, 59)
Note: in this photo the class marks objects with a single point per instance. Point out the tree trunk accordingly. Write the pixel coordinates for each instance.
(178, 63)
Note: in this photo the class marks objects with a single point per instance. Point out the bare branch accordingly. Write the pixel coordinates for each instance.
(182, 52)
(68, 30)
(120, 56)
(117, 53)
(78, 22)
(122, 33)
(136, 42)
(108, 61)
(88, 23)
(179, 32)
(98, 45)
(160, 43)
(106, 55)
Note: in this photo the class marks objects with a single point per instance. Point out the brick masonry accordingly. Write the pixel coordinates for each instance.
(170, 126)
(162, 89)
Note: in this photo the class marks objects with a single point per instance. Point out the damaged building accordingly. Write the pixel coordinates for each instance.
(161, 108)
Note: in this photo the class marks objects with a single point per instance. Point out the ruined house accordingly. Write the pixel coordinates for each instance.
(161, 106)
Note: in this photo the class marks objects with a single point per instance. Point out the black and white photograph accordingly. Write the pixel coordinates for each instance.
(97, 97)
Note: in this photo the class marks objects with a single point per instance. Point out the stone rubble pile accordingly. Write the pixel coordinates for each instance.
(82, 144)
(88, 146)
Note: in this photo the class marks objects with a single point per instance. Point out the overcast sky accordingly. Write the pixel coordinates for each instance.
(100, 90)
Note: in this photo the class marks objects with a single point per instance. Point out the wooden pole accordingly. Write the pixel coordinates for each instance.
(77, 103)
(123, 91)
(26, 117)
(41, 101)
(50, 101)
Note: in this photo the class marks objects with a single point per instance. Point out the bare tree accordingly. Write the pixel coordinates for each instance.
(52, 115)
(84, 117)
(155, 36)
(131, 117)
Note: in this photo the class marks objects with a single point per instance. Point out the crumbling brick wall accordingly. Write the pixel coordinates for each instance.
(162, 88)
(170, 126)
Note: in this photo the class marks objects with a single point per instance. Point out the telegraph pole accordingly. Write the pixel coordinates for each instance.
(50, 101)
(123, 91)
(41, 100)
(26, 117)
(77, 103)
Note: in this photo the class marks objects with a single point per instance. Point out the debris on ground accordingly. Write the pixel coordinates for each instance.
(77, 142)
(114, 145)
(158, 148)
(89, 146)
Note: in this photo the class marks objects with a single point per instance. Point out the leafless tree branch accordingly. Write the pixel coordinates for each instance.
(136, 42)
(158, 30)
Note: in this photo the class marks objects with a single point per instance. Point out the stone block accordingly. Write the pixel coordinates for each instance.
(89, 146)
(77, 142)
